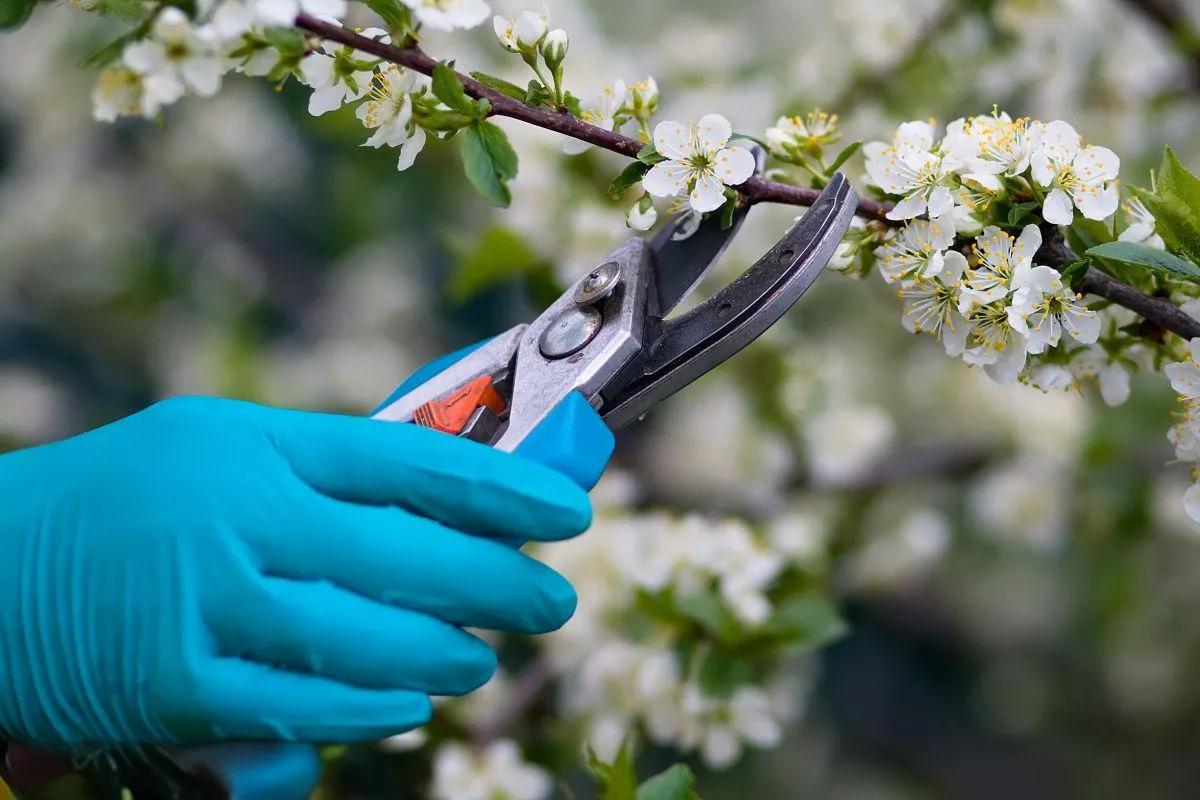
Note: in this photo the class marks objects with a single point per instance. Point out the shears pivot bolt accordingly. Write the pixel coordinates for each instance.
(570, 332)
(599, 284)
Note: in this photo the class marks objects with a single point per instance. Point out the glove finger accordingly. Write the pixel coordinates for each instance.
(260, 771)
(320, 629)
(456, 481)
(397, 558)
(573, 439)
(244, 700)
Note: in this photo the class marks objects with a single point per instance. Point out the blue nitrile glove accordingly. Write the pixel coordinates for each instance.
(211, 570)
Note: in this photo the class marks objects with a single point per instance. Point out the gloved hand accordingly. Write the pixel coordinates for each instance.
(209, 570)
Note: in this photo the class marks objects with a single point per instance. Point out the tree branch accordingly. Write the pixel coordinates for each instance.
(1159, 311)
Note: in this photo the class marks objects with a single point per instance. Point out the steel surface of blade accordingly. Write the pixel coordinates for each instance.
(680, 265)
(680, 350)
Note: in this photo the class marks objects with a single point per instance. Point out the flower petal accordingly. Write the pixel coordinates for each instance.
(708, 194)
(1096, 203)
(1058, 208)
(1097, 164)
(910, 207)
(324, 100)
(673, 139)
(666, 179)
(733, 165)
(411, 149)
(713, 131)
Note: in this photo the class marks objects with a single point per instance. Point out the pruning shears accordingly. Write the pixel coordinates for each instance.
(610, 336)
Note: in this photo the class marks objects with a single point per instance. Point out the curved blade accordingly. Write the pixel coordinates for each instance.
(680, 264)
(683, 349)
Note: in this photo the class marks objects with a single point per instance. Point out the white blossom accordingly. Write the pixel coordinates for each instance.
(909, 168)
(641, 216)
(119, 92)
(1004, 264)
(698, 163)
(1077, 176)
(506, 33)
(917, 250)
(283, 12)
(1043, 317)
(389, 111)
(931, 305)
(791, 136)
(333, 78)
(498, 773)
(610, 104)
(994, 343)
(992, 147)
(1142, 228)
(177, 57)
(1110, 373)
(531, 27)
(446, 15)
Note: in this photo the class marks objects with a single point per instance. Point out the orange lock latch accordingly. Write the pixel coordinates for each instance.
(451, 414)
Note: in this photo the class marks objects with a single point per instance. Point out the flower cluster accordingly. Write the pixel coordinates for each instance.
(695, 588)
(970, 277)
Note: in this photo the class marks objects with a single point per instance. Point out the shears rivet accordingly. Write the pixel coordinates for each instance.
(599, 284)
(570, 332)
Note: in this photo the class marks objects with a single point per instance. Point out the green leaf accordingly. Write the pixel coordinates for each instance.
(750, 138)
(630, 176)
(677, 783)
(648, 155)
(809, 621)
(1149, 258)
(844, 156)
(731, 201)
(449, 89)
(1175, 180)
(722, 673)
(1176, 221)
(573, 105)
(288, 41)
(1019, 213)
(499, 255)
(706, 609)
(444, 120)
(13, 13)
(500, 85)
(1085, 234)
(536, 95)
(394, 14)
(617, 780)
(103, 56)
(1074, 271)
(490, 162)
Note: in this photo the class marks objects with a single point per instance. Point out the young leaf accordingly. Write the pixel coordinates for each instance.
(731, 201)
(677, 783)
(844, 156)
(13, 13)
(573, 105)
(500, 85)
(1019, 213)
(1074, 271)
(288, 41)
(750, 138)
(394, 14)
(722, 673)
(1175, 221)
(706, 609)
(1149, 258)
(630, 176)
(649, 155)
(103, 56)
(618, 780)
(1175, 180)
(808, 621)
(449, 89)
(490, 162)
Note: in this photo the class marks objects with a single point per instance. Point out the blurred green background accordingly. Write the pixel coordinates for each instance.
(1023, 586)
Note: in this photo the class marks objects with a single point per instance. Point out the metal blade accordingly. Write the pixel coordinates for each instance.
(679, 351)
(680, 265)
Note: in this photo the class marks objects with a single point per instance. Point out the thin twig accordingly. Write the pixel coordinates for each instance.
(1159, 311)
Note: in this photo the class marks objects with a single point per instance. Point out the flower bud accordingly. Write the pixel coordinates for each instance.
(506, 32)
(530, 28)
(642, 215)
(644, 97)
(554, 47)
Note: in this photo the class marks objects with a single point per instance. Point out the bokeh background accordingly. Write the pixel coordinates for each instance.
(1022, 584)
